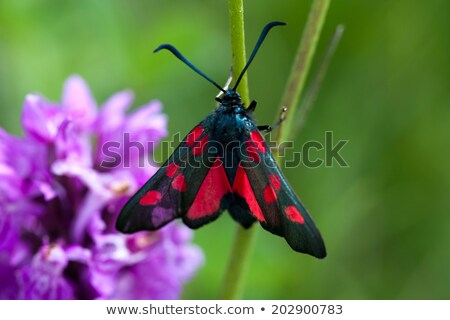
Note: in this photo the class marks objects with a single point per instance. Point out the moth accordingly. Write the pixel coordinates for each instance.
(224, 163)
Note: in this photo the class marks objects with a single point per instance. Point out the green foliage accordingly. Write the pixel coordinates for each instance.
(385, 219)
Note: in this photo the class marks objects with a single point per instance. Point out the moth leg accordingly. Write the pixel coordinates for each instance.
(252, 106)
(268, 128)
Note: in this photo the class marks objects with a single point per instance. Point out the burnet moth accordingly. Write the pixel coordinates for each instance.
(223, 164)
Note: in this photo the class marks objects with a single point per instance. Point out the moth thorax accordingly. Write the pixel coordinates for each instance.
(231, 98)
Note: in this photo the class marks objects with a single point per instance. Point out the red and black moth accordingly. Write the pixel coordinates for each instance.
(224, 164)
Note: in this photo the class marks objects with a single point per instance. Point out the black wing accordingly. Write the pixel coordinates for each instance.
(190, 185)
(271, 199)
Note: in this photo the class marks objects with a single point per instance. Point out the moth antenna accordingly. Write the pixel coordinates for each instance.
(177, 54)
(261, 38)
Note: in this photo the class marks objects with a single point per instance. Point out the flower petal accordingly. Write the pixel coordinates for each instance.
(78, 102)
(44, 278)
(79, 254)
(88, 176)
(147, 121)
(112, 115)
(89, 209)
(9, 287)
(24, 155)
(53, 189)
(9, 231)
(168, 264)
(73, 146)
(40, 118)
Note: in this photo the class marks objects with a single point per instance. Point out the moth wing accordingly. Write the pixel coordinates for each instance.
(173, 191)
(273, 202)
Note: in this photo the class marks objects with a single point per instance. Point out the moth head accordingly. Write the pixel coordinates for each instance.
(231, 98)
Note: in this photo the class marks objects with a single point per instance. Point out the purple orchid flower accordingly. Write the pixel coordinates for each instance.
(59, 203)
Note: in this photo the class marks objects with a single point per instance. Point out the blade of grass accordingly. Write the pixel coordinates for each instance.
(312, 92)
(301, 66)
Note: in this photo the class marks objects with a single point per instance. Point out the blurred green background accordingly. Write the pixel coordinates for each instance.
(385, 219)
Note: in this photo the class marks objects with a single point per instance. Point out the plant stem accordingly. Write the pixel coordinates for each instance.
(301, 66)
(233, 281)
(236, 271)
(239, 260)
(236, 10)
(311, 94)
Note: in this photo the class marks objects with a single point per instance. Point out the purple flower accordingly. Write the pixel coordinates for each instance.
(59, 202)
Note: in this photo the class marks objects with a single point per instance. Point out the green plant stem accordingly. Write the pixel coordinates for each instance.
(239, 260)
(311, 94)
(236, 271)
(235, 274)
(302, 63)
(239, 58)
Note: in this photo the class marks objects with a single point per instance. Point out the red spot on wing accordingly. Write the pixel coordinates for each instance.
(252, 153)
(242, 187)
(275, 181)
(199, 146)
(150, 198)
(179, 183)
(269, 194)
(258, 141)
(194, 135)
(294, 215)
(211, 192)
(171, 170)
